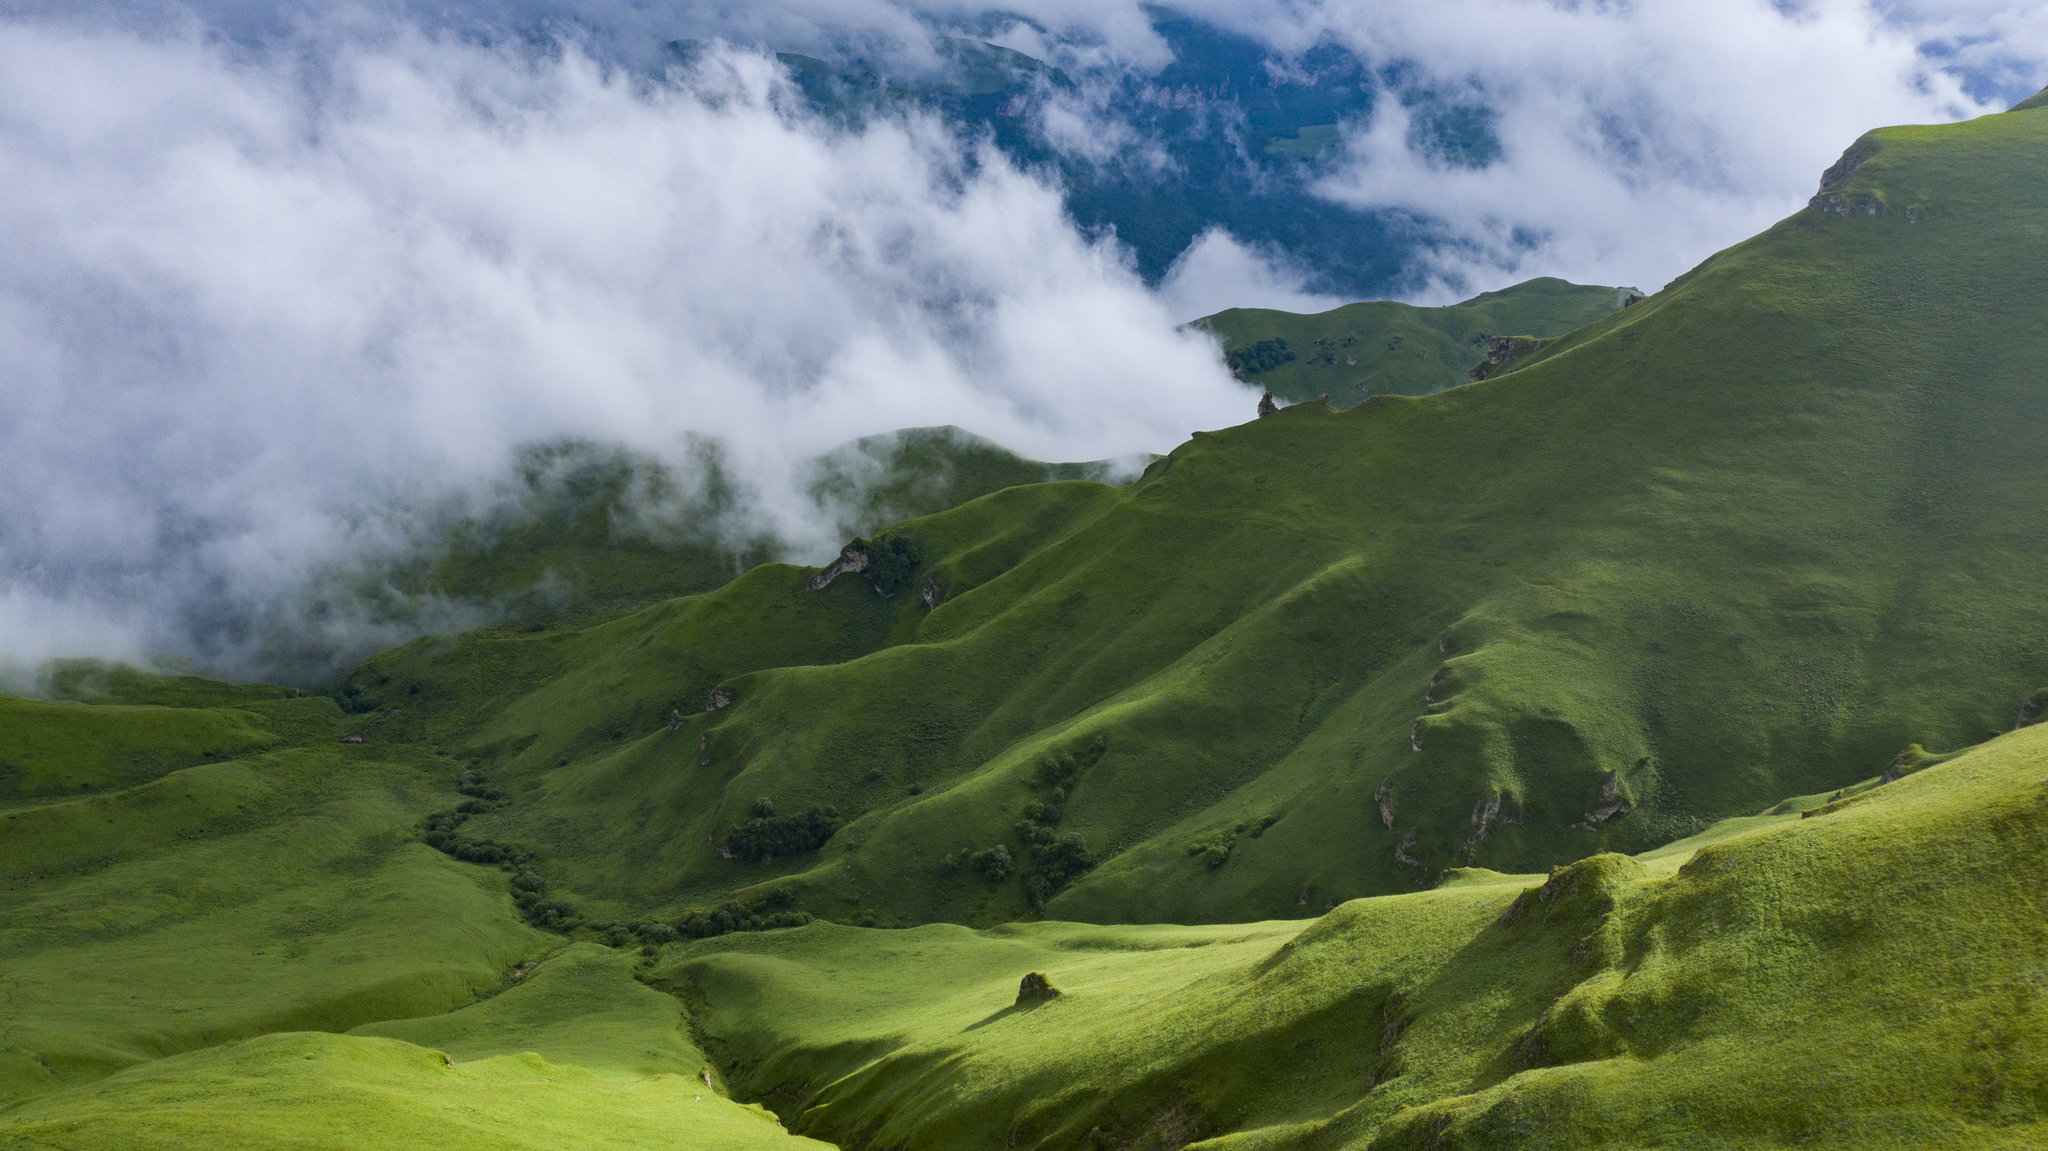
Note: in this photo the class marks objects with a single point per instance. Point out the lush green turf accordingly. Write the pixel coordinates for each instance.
(581, 1005)
(310, 1090)
(1868, 977)
(224, 872)
(1750, 538)
(1384, 348)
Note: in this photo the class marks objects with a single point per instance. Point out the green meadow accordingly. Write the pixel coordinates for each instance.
(1631, 749)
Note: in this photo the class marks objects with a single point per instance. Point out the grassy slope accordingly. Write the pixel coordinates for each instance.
(1749, 538)
(182, 883)
(1401, 349)
(180, 876)
(309, 1091)
(1868, 977)
(595, 533)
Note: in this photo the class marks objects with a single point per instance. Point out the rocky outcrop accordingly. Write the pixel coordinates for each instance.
(720, 698)
(1401, 855)
(2034, 710)
(1832, 196)
(1035, 988)
(1385, 798)
(931, 592)
(1611, 805)
(1485, 814)
(1500, 352)
(852, 558)
(1266, 405)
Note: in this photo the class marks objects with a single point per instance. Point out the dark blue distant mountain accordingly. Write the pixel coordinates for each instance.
(1244, 133)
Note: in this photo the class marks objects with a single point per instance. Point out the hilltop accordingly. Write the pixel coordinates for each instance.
(1666, 571)
(1386, 348)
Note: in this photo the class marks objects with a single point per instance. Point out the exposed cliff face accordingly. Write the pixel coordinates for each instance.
(852, 558)
(1502, 351)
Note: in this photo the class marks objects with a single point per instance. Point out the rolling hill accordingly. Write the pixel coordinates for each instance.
(1386, 348)
(1655, 576)
(1406, 776)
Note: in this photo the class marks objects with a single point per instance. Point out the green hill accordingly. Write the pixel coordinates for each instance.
(1747, 539)
(1863, 978)
(1519, 663)
(594, 532)
(582, 533)
(1386, 348)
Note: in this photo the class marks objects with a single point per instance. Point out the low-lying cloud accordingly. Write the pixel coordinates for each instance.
(287, 290)
(262, 309)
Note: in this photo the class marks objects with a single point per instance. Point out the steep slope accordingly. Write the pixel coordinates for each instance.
(1386, 348)
(1866, 977)
(1749, 538)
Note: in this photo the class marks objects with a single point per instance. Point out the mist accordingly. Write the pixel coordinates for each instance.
(266, 316)
(291, 290)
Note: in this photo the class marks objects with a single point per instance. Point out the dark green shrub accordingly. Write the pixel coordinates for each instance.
(764, 837)
(996, 863)
(1252, 359)
(1066, 858)
(893, 562)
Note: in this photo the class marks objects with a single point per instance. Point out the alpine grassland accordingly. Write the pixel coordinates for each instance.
(1411, 774)
(1381, 347)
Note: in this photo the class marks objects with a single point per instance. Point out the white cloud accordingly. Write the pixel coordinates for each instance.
(253, 306)
(1218, 272)
(1636, 138)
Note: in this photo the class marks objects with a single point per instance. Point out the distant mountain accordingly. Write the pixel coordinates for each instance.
(1388, 348)
(1246, 132)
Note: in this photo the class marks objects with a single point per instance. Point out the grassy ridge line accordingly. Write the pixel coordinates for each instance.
(596, 533)
(1385, 348)
(1747, 539)
(1699, 999)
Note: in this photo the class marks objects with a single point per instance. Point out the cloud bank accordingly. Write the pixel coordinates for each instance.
(257, 308)
(287, 288)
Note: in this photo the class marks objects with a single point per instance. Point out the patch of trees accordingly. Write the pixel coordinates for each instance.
(1055, 859)
(1253, 359)
(777, 908)
(1216, 853)
(893, 561)
(768, 835)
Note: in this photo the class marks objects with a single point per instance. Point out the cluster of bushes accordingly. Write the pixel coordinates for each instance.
(768, 835)
(1252, 359)
(892, 562)
(776, 909)
(443, 833)
(997, 863)
(1055, 859)
(1056, 864)
(1217, 853)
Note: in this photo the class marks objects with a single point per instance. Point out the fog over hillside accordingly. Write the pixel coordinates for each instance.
(289, 287)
